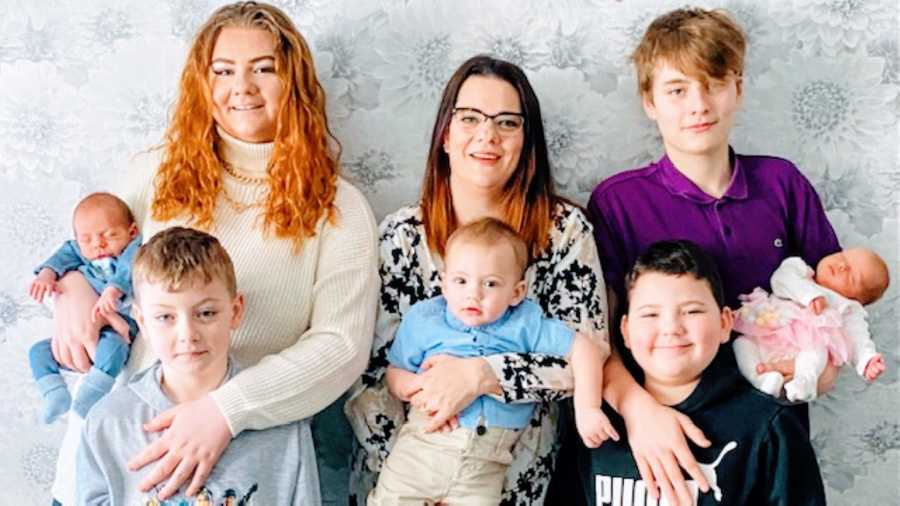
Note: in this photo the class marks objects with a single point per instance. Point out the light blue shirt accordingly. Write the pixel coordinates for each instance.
(429, 328)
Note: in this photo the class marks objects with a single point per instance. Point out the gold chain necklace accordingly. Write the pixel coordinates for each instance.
(238, 206)
(243, 177)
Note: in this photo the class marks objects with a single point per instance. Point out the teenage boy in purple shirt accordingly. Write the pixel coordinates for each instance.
(748, 212)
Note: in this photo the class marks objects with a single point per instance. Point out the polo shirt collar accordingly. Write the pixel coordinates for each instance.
(679, 184)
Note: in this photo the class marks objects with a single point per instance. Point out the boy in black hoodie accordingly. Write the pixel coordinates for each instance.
(673, 326)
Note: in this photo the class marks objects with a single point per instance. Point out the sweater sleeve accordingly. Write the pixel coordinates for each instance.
(307, 376)
(789, 467)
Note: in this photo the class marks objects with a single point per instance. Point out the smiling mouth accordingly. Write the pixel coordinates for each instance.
(674, 347)
(242, 108)
(485, 157)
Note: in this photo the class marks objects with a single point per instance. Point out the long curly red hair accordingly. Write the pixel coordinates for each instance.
(303, 169)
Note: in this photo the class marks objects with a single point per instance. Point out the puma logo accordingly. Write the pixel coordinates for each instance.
(709, 471)
(619, 491)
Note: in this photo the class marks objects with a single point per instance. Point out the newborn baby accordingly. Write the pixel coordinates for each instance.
(809, 316)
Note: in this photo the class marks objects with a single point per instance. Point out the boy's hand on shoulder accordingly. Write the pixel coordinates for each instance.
(593, 426)
(657, 436)
(43, 284)
(107, 304)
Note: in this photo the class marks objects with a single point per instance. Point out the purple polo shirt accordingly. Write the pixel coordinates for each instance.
(769, 212)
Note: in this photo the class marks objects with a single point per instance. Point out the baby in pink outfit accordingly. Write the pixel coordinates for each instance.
(809, 316)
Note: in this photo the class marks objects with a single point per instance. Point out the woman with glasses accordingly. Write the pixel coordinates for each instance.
(488, 158)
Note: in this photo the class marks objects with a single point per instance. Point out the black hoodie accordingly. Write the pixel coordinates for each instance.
(760, 453)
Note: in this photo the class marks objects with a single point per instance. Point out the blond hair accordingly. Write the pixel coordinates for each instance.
(491, 232)
(178, 257)
(303, 170)
(707, 44)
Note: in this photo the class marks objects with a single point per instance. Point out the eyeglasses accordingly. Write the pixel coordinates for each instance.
(507, 123)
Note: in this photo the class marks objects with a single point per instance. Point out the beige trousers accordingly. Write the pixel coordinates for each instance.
(461, 467)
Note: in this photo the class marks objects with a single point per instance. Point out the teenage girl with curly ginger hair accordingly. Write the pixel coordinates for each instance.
(248, 156)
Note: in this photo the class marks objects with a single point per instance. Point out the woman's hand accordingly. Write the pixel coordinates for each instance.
(75, 336)
(195, 436)
(449, 384)
(656, 434)
(786, 367)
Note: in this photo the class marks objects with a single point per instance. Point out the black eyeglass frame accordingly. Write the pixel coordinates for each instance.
(491, 117)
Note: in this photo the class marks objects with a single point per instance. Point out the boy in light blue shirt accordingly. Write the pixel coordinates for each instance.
(482, 312)
(187, 305)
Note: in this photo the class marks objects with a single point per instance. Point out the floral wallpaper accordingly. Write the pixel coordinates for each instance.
(87, 84)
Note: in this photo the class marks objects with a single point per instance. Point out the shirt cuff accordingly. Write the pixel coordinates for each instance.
(496, 364)
(229, 399)
(863, 361)
(39, 268)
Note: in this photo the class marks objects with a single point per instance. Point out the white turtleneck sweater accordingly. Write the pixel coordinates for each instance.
(308, 326)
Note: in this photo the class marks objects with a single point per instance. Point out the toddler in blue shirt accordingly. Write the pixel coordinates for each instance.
(482, 311)
(106, 240)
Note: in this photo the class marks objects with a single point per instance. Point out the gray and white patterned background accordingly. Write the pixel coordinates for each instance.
(86, 84)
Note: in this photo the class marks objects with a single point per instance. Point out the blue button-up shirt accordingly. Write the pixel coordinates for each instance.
(429, 328)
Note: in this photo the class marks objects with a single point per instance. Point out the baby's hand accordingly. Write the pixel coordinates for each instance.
(44, 284)
(107, 303)
(593, 426)
(874, 368)
(818, 305)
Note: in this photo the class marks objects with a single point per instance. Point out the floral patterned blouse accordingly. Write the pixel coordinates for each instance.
(565, 280)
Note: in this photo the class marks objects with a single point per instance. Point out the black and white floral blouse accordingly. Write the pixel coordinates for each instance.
(565, 280)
